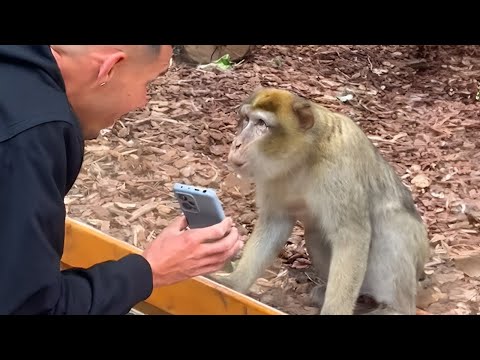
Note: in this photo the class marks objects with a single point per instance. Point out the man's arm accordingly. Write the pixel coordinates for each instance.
(33, 178)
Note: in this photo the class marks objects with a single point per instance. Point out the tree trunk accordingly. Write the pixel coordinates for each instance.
(204, 54)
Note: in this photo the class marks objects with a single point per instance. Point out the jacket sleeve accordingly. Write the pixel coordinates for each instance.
(34, 175)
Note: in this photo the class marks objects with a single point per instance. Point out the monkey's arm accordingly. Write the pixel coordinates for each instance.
(268, 238)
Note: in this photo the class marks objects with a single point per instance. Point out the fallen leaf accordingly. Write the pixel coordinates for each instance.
(143, 210)
(171, 171)
(187, 171)
(345, 98)
(380, 71)
(470, 266)
(461, 294)
(421, 181)
(125, 206)
(123, 132)
(437, 238)
(218, 149)
(415, 168)
(100, 211)
(122, 221)
(426, 297)
(301, 263)
(165, 210)
(95, 148)
(138, 234)
(448, 277)
(399, 136)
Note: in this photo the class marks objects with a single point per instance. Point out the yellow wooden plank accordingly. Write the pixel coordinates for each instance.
(86, 246)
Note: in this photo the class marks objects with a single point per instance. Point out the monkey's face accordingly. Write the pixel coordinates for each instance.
(253, 126)
(272, 136)
(260, 147)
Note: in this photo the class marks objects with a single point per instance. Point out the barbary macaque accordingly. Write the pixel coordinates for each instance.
(362, 230)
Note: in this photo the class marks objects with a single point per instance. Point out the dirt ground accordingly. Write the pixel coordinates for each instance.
(418, 105)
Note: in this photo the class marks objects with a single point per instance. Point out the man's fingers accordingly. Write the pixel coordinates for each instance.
(218, 253)
(179, 223)
(223, 245)
(233, 250)
(212, 233)
(221, 229)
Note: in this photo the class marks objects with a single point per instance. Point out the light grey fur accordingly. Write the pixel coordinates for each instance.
(362, 230)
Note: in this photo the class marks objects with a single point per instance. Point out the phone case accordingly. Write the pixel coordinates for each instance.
(201, 206)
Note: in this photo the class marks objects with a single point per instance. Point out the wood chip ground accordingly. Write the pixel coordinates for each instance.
(417, 104)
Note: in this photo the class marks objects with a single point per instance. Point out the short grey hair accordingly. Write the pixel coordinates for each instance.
(155, 48)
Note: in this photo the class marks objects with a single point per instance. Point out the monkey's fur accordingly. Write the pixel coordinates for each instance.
(362, 230)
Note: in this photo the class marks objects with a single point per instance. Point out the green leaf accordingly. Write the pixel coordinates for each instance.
(224, 62)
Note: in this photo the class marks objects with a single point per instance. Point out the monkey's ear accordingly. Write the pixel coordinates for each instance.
(304, 112)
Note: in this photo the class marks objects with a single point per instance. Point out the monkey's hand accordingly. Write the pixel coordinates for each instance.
(269, 236)
(223, 278)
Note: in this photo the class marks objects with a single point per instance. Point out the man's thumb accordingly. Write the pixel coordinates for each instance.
(180, 223)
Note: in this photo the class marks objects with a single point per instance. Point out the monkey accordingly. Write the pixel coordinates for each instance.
(363, 232)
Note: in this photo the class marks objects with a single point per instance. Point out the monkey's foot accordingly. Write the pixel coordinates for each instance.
(384, 310)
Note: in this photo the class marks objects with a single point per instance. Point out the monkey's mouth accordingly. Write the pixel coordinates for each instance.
(237, 162)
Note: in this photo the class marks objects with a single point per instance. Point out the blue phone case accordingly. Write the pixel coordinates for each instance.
(201, 206)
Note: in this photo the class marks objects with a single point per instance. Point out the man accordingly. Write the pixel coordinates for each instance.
(52, 99)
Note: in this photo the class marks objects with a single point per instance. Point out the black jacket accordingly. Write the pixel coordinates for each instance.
(41, 153)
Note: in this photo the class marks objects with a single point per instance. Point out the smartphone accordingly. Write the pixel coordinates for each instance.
(200, 206)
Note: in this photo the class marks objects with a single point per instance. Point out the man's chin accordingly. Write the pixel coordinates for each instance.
(92, 135)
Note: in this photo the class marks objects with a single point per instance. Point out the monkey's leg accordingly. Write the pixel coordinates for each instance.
(350, 246)
(391, 277)
(268, 238)
(319, 252)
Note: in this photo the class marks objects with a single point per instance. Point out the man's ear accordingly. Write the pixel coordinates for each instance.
(107, 65)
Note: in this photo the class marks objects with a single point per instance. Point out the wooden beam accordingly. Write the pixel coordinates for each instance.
(86, 246)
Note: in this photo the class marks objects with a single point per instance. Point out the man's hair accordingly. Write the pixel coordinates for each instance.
(155, 48)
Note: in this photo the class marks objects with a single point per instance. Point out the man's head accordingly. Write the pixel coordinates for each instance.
(104, 82)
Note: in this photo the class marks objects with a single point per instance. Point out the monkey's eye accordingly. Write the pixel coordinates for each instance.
(262, 123)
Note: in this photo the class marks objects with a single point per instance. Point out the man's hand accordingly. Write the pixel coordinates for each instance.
(178, 254)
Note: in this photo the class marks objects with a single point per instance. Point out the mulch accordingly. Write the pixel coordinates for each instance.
(417, 104)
